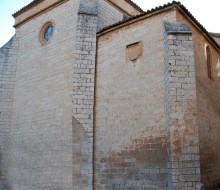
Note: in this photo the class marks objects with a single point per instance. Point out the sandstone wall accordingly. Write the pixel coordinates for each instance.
(107, 14)
(41, 155)
(130, 132)
(208, 100)
(208, 93)
(83, 96)
(181, 108)
(8, 58)
(217, 39)
(145, 125)
(92, 15)
(52, 125)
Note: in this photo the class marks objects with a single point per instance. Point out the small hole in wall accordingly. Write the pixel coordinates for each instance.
(134, 51)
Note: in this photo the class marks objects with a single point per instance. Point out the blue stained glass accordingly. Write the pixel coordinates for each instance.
(48, 33)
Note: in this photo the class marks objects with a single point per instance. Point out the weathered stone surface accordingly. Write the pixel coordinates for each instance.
(181, 108)
(83, 98)
(130, 131)
(8, 65)
(41, 143)
(131, 107)
(208, 106)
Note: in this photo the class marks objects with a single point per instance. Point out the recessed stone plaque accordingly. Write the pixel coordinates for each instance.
(134, 51)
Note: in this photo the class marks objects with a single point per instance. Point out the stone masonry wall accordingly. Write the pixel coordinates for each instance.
(208, 91)
(208, 100)
(41, 143)
(83, 98)
(8, 58)
(92, 15)
(107, 14)
(130, 134)
(51, 142)
(181, 109)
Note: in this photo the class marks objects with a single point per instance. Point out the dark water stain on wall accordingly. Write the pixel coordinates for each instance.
(141, 165)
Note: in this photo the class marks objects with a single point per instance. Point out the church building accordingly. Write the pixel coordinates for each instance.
(101, 95)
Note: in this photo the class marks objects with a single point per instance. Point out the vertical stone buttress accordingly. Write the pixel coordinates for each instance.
(8, 57)
(181, 108)
(83, 95)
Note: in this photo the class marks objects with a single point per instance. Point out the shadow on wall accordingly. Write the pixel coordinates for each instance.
(217, 187)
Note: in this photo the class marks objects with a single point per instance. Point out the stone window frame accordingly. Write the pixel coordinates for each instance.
(43, 29)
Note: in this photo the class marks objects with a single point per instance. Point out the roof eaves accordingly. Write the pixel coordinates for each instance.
(32, 4)
(36, 2)
(163, 7)
(135, 5)
(153, 10)
(198, 24)
(216, 35)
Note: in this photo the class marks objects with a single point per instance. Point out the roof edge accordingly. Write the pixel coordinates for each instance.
(213, 34)
(140, 16)
(198, 25)
(160, 9)
(19, 22)
(36, 2)
(135, 5)
(28, 6)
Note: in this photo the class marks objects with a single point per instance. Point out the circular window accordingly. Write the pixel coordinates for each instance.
(46, 33)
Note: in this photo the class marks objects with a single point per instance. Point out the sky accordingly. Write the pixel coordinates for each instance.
(206, 12)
